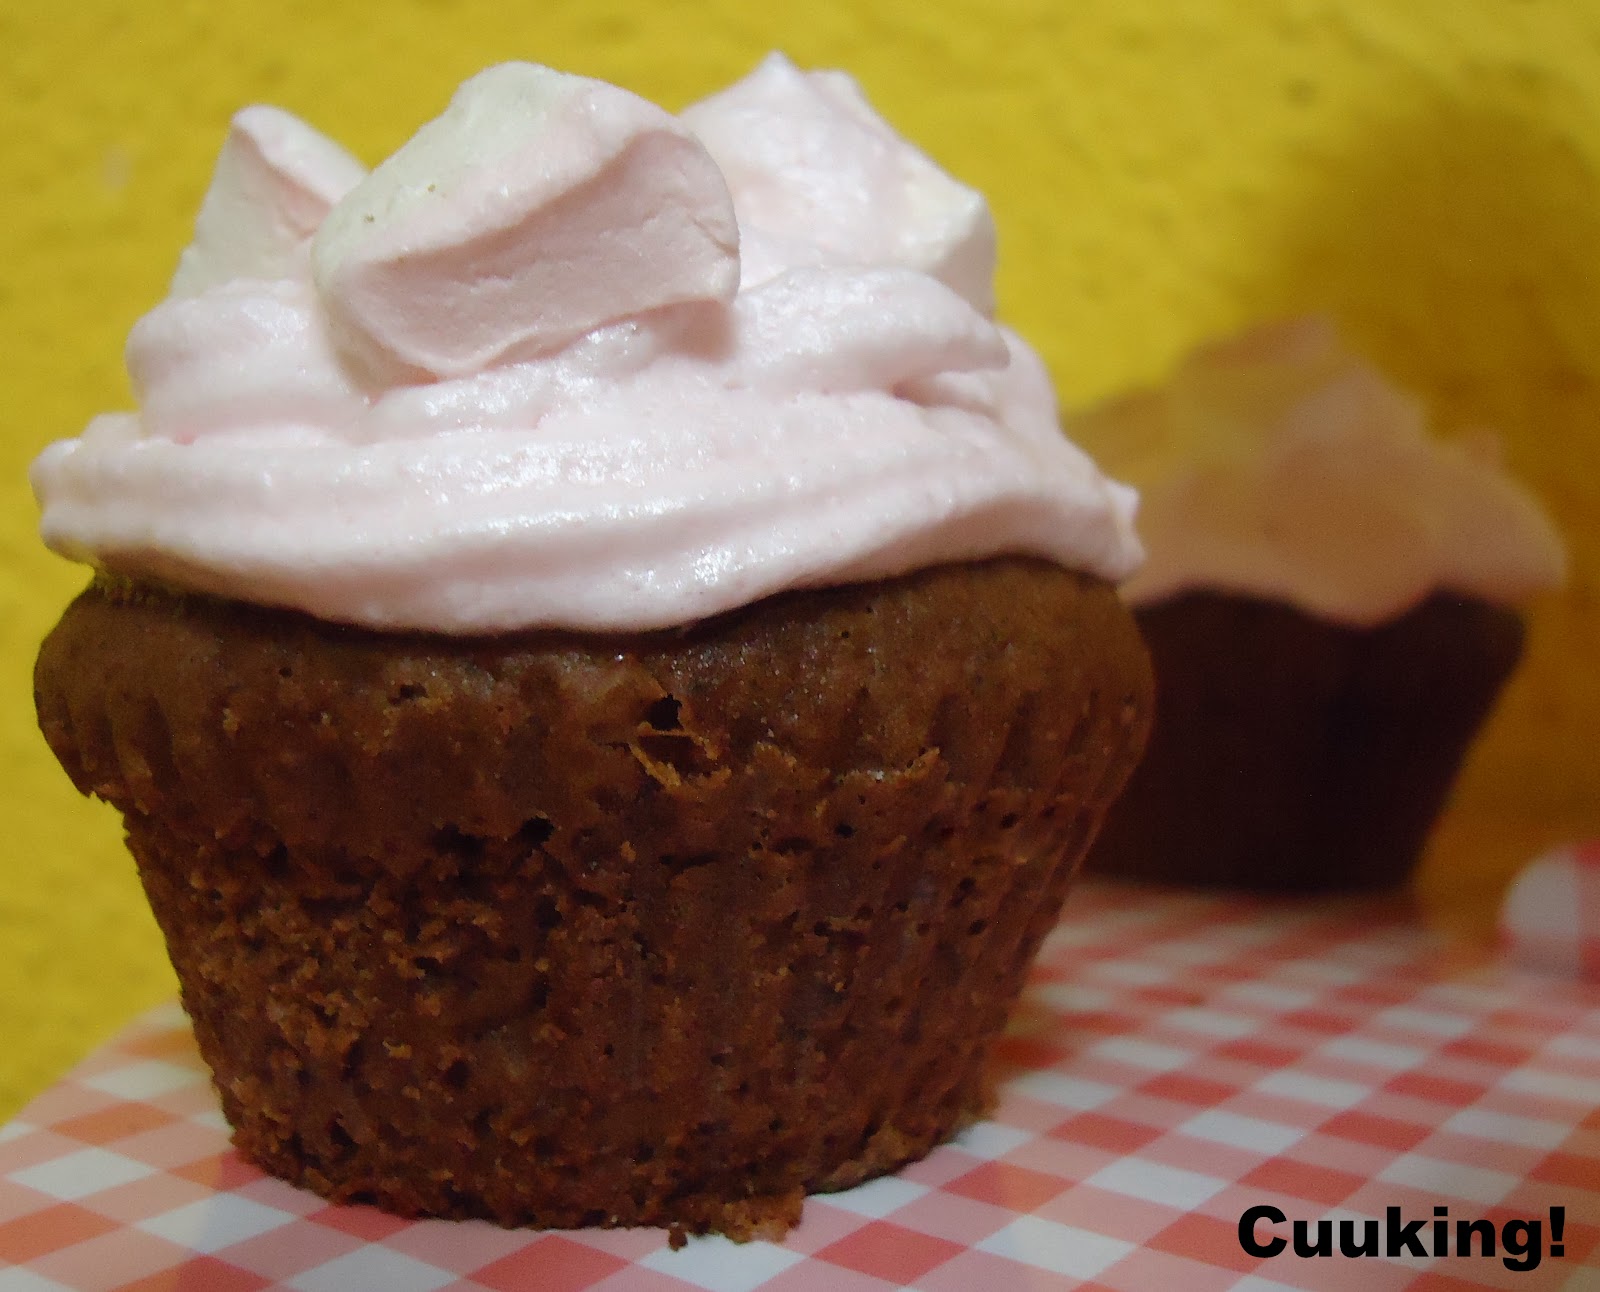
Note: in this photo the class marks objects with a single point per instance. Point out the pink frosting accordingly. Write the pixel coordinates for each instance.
(1279, 464)
(517, 376)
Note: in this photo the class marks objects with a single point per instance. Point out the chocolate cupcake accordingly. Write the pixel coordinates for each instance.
(1331, 605)
(602, 733)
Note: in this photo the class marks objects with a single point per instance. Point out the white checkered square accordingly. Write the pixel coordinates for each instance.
(1136, 1053)
(1554, 1085)
(1131, 973)
(1448, 1179)
(1154, 1182)
(145, 1080)
(1328, 973)
(1429, 1022)
(1193, 951)
(1213, 1022)
(1049, 1245)
(82, 1174)
(991, 1139)
(1074, 998)
(1069, 1092)
(372, 1269)
(1271, 996)
(1222, 1127)
(718, 1265)
(1504, 1128)
(17, 1279)
(1374, 1054)
(212, 1119)
(1583, 1048)
(217, 1222)
(1329, 1092)
(878, 1198)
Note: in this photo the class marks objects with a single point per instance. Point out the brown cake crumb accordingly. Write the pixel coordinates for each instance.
(566, 930)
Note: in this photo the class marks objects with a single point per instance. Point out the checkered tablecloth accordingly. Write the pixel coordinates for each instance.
(1175, 1061)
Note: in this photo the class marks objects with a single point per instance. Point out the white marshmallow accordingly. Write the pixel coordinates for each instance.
(538, 207)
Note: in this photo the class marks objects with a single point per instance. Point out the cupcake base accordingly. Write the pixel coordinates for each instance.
(560, 930)
(1293, 754)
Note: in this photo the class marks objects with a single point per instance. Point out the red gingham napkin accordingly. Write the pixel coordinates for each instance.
(1550, 919)
(1178, 1062)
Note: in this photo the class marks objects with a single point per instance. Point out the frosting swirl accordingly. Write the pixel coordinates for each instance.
(565, 360)
(1279, 464)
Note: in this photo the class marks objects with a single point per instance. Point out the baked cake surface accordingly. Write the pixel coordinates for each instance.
(559, 930)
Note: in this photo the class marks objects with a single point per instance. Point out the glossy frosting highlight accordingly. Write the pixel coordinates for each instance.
(565, 360)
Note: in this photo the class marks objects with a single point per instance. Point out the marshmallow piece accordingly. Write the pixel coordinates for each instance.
(1550, 918)
(538, 207)
(807, 159)
(276, 178)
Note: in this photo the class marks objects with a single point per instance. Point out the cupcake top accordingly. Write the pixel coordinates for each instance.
(566, 360)
(1280, 465)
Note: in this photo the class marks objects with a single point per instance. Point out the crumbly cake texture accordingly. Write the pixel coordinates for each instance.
(1293, 753)
(566, 930)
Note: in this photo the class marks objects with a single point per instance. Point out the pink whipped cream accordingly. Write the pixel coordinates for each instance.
(566, 360)
(1279, 464)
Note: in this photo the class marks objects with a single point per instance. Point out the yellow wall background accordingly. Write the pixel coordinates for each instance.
(1161, 170)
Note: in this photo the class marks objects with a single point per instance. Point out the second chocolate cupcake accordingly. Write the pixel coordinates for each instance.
(1331, 604)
